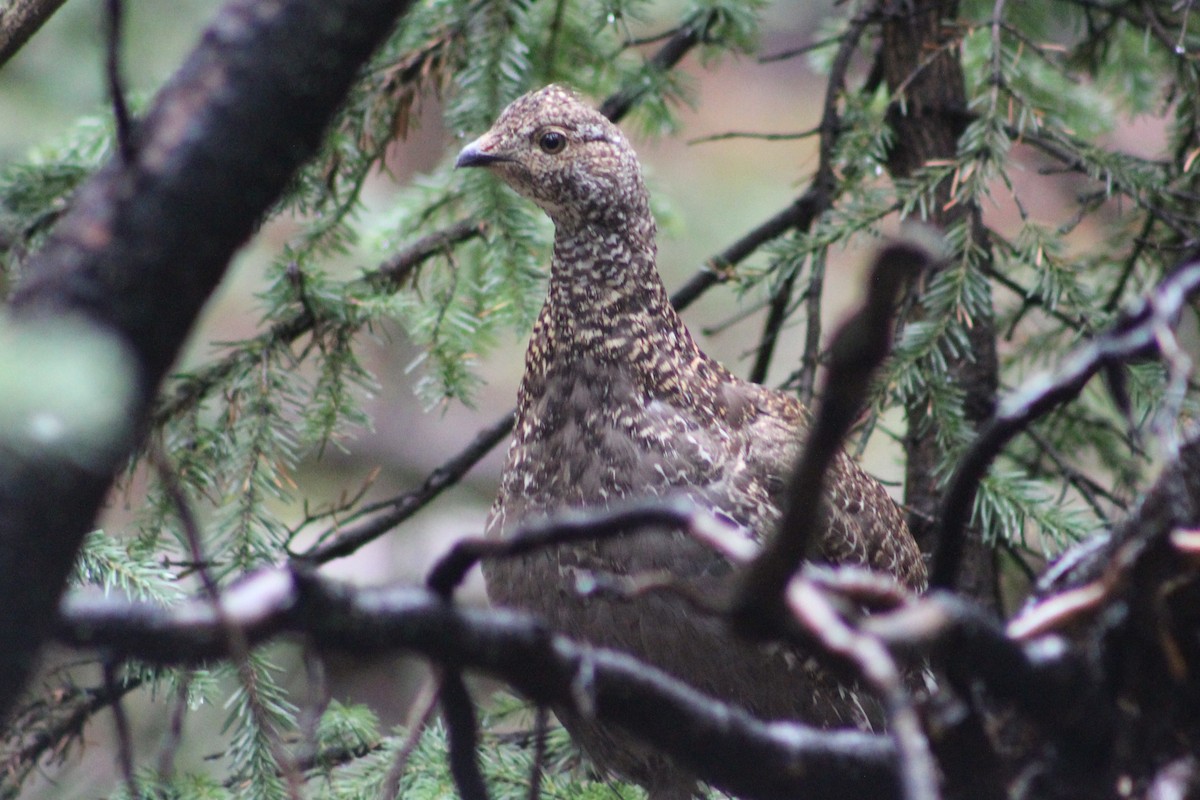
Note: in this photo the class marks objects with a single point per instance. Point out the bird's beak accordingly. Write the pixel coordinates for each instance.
(479, 153)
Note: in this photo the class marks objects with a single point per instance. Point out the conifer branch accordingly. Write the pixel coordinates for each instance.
(824, 192)
(135, 267)
(1135, 336)
(389, 276)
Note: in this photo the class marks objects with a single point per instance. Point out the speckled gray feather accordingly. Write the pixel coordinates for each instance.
(618, 402)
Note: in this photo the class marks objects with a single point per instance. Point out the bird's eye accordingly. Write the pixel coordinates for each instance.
(552, 142)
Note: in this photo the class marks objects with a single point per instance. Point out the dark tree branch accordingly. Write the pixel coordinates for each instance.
(575, 526)
(858, 348)
(671, 53)
(721, 744)
(142, 248)
(20, 20)
(1135, 336)
(121, 725)
(49, 726)
(799, 214)
(398, 509)
(462, 736)
(424, 705)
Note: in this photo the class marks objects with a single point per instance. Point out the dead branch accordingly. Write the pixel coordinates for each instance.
(722, 744)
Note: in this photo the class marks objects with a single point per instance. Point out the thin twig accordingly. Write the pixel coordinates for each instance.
(19, 21)
(348, 540)
(121, 724)
(810, 358)
(822, 189)
(541, 720)
(811, 607)
(783, 55)
(114, 12)
(424, 705)
(174, 733)
(762, 137)
(574, 525)
(239, 646)
(858, 348)
(671, 53)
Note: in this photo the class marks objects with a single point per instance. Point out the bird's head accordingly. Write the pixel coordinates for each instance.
(552, 147)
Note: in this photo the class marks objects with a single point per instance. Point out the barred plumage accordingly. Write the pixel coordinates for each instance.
(619, 402)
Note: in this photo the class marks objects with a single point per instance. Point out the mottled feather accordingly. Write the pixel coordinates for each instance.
(618, 402)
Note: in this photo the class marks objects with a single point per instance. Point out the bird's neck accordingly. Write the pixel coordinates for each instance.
(607, 303)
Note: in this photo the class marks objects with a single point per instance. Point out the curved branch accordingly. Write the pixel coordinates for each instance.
(857, 349)
(1133, 336)
(131, 265)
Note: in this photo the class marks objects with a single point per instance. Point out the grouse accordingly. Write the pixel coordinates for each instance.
(617, 403)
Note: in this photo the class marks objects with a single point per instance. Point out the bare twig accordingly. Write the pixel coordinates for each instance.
(858, 348)
(783, 55)
(573, 526)
(822, 189)
(348, 540)
(671, 53)
(424, 706)
(721, 744)
(174, 733)
(113, 18)
(798, 214)
(121, 724)
(541, 720)
(762, 137)
(811, 607)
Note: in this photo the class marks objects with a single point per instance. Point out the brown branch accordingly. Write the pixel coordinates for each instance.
(49, 725)
(857, 349)
(348, 540)
(121, 727)
(462, 736)
(113, 22)
(721, 744)
(145, 243)
(19, 21)
(572, 526)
